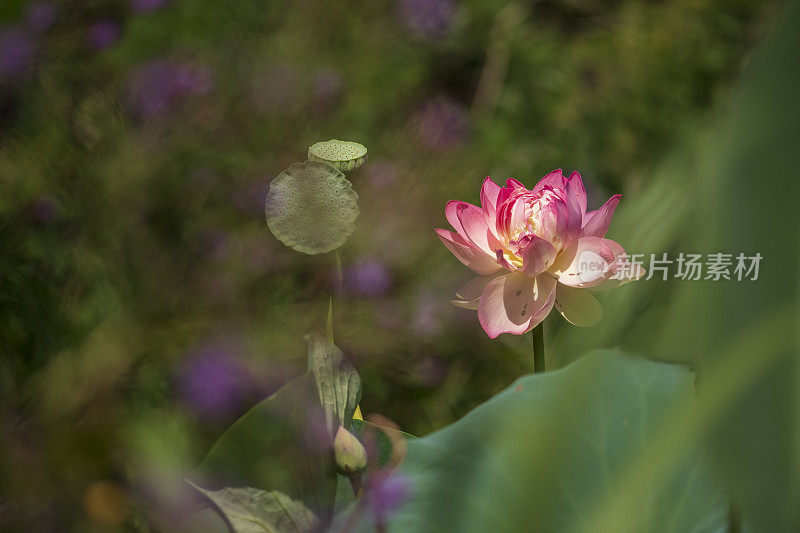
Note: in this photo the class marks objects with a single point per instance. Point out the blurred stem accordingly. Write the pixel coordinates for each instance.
(358, 510)
(336, 299)
(538, 348)
(495, 68)
(355, 482)
(734, 520)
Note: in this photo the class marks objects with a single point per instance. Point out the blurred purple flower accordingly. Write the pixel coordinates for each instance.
(192, 79)
(254, 253)
(427, 321)
(159, 86)
(44, 209)
(146, 6)
(326, 90)
(384, 493)
(381, 173)
(430, 370)
(17, 52)
(249, 200)
(103, 34)
(328, 85)
(213, 243)
(41, 16)
(430, 19)
(442, 124)
(212, 383)
(367, 276)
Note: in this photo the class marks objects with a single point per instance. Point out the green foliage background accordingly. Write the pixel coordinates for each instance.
(101, 302)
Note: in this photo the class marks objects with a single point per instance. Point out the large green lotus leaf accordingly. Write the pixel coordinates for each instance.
(311, 207)
(249, 510)
(276, 445)
(542, 454)
(755, 438)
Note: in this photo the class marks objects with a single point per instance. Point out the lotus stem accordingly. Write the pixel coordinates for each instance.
(337, 296)
(538, 348)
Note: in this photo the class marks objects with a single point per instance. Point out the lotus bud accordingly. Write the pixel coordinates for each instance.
(351, 457)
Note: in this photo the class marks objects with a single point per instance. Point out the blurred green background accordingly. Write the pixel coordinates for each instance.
(144, 305)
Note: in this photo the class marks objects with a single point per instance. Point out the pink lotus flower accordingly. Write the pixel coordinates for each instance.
(535, 249)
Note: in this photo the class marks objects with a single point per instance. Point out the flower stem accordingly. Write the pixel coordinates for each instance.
(336, 304)
(734, 519)
(538, 348)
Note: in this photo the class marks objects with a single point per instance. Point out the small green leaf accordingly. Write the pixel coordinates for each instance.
(249, 510)
(311, 207)
(338, 384)
(342, 155)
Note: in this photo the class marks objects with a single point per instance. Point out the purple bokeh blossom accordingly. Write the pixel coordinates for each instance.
(367, 276)
(44, 210)
(146, 6)
(430, 371)
(326, 90)
(213, 243)
(429, 19)
(384, 493)
(41, 16)
(442, 124)
(103, 34)
(427, 322)
(212, 382)
(161, 85)
(381, 173)
(249, 200)
(17, 53)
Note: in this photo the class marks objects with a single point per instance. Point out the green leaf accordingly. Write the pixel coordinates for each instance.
(311, 207)
(756, 437)
(249, 510)
(338, 384)
(542, 454)
(274, 447)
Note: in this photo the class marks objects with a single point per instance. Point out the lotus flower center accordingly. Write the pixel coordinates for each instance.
(539, 218)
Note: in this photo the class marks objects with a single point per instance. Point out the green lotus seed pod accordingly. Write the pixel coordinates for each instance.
(344, 155)
(311, 207)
